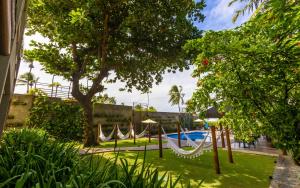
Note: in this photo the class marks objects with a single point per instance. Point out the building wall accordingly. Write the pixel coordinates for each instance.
(19, 110)
(105, 114)
(12, 24)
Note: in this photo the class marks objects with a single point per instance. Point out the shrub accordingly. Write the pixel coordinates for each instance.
(32, 158)
(61, 119)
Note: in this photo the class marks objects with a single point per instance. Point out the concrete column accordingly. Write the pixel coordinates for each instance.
(5, 27)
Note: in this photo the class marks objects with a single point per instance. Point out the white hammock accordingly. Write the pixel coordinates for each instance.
(120, 134)
(102, 137)
(142, 134)
(126, 136)
(185, 153)
(197, 151)
(189, 141)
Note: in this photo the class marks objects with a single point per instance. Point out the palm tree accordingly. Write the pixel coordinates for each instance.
(56, 85)
(250, 6)
(28, 79)
(176, 96)
(104, 99)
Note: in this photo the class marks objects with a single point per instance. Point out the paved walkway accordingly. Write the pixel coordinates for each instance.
(286, 173)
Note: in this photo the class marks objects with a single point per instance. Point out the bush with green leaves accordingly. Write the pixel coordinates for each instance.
(32, 158)
(62, 119)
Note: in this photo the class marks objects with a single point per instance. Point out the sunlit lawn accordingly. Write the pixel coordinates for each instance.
(248, 170)
(129, 143)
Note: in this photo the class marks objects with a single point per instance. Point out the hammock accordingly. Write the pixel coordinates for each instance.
(120, 134)
(193, 144)
(197, 151)
(126, 136)
(185, 153)
(142, 134)
(102, 137)
(189, 141)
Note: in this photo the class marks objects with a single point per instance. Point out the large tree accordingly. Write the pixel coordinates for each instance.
(136, 40)
(252, 72)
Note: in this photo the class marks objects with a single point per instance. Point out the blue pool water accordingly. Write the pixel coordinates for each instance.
(192, 135)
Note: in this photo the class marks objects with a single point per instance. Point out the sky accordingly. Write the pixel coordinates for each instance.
(218, 17)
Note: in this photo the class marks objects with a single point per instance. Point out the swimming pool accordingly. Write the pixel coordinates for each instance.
(192, 135)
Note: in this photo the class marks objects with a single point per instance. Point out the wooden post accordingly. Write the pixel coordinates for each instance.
(116, 136)
(99, 140)
(215, 147)
(228, 145)
(222, 136)
(149, 132)
(160, 141)
(130, 136)
(178, 133)
(133, 133)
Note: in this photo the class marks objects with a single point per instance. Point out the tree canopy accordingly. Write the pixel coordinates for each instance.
(134, 41)
(252, 73)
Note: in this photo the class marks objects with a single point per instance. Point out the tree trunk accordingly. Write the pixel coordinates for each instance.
(90, 133)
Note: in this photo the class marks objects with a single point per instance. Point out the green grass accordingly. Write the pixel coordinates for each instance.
(248, 170)
(129, 143)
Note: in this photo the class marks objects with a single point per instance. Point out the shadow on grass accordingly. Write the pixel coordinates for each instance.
(248, 170)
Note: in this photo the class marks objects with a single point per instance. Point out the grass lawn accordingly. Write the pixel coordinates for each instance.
(129, 143)
(249, 170)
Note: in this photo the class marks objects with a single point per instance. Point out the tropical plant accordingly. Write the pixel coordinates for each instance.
(176, 96)
(138, 107)
(90, 39)
(104, 99)
(63, 120)
(28, 79)
(54, 85)
(251, 6)
(32, 158)
(152, 109)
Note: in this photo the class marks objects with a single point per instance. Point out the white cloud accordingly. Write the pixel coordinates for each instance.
(218, 17)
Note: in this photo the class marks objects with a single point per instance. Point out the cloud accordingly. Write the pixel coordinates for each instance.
(218, 17)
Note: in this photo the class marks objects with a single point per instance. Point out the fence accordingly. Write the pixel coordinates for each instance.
(52, 90)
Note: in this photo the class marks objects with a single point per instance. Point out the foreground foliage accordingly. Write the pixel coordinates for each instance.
(31, 158)
(62, 119)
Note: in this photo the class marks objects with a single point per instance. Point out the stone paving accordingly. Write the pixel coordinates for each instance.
(286, 173)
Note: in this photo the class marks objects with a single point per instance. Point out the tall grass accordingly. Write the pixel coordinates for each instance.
(31, 158)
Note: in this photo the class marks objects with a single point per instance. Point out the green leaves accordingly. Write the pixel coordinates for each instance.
(252, 74)
(78, 16)
(31, 158)
(176, 96)
(62, 119)
(136, 40)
